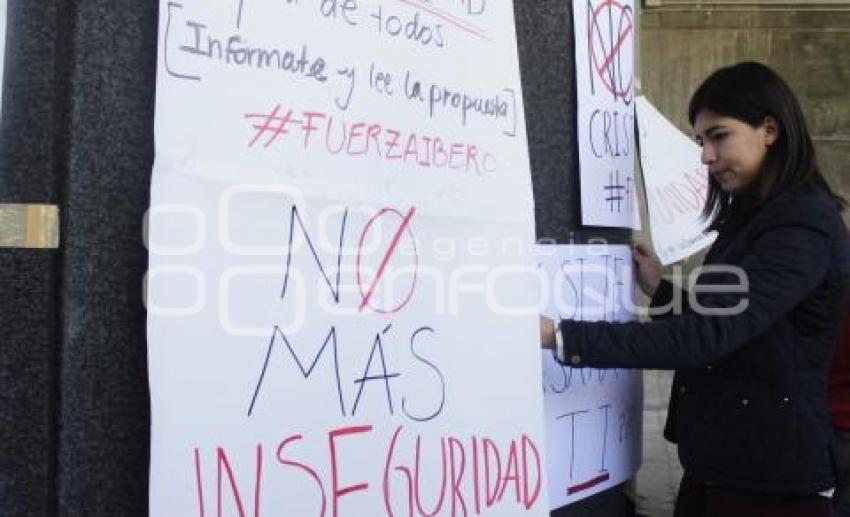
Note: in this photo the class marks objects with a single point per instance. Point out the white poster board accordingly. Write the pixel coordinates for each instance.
(342, 294)
(676, 186)
(604, 46)
(593, 417)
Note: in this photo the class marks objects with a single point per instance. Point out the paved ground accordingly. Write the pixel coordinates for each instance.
(658, 479)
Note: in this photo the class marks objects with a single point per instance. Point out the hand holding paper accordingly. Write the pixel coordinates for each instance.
(648, 268)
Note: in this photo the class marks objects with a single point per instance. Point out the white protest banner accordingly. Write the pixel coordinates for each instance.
(676, 186)
(342, 291)
(593, 417)
(604, 46)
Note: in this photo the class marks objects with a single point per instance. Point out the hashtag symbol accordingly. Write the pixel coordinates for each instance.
(270, 124)
(614, 190)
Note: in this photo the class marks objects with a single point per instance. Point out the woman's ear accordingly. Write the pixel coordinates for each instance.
(771, 130)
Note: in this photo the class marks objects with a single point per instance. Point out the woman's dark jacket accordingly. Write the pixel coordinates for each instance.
(748, 406)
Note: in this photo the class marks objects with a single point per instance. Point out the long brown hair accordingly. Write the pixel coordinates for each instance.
(750, 92)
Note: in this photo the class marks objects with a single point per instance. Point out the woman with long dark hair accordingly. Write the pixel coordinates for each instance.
(752, 342)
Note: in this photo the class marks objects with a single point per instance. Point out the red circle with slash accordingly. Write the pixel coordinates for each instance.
(403, 229)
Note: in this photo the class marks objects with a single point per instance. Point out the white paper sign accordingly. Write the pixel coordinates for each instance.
(604, 46)
(342, 293)
(593, 417)
(676, 186)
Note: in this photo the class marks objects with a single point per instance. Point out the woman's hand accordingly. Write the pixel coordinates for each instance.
(648, 268)
(547, 332)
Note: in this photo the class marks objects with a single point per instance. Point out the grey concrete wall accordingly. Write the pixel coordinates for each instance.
(809, 47)
(29, 173)
(77, 132)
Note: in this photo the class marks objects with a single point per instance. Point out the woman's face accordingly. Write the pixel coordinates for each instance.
(734, 151)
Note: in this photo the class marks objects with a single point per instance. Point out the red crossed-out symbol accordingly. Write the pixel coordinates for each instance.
(369, 292)
(610, 28)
